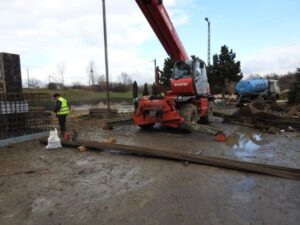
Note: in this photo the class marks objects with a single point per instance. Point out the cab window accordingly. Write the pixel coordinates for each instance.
(181, 70)
(197, 69)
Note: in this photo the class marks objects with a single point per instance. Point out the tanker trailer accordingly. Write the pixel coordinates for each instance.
(249, 90)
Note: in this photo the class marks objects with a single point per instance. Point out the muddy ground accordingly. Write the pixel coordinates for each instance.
(102, 187)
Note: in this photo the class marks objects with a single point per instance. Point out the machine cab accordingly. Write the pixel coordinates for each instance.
(190, 78)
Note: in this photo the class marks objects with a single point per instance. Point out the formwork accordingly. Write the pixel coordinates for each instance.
(24, 116)
(10, 73)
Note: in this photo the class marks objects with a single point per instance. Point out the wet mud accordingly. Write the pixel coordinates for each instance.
(104, 187)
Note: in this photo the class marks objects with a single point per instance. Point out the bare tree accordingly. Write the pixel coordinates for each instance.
(100, 79)
(61, 69)
(77, 85)
(34, 83)
(125, 79)
(101, 82)
(254, 76)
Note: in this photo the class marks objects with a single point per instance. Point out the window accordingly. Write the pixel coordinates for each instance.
(181, 70)
(197, 69)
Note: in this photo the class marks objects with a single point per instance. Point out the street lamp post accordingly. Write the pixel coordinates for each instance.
(106, 55)
(208, 40)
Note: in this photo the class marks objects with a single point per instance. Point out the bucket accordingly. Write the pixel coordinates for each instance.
(66, 136)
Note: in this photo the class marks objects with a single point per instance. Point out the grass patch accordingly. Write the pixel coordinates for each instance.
(81, 97)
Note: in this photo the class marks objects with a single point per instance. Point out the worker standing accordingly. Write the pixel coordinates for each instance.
(62, 110)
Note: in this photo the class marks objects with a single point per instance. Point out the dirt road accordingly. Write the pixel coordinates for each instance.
(112, 188)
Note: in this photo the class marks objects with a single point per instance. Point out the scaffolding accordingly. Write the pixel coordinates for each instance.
(23, 114)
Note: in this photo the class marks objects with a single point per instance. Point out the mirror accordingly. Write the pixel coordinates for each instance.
(201, 65)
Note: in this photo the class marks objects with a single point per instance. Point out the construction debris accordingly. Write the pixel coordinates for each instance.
(124, 120)
(82, 148)
(271, 118)
(102, 113)
(111, 122)
(278, 171)
(110, 141)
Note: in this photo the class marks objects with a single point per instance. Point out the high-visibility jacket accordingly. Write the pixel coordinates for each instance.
(64, 109)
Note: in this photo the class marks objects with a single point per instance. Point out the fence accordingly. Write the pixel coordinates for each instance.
(24, 114)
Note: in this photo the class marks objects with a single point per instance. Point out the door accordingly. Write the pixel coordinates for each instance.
(200, 76)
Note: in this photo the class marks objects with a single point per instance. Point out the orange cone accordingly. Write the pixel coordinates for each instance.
(220, 137)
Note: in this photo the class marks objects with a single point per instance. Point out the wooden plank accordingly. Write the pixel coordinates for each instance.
(204, 129)
(278, 171)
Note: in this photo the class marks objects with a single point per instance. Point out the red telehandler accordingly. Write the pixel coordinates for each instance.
(188, 100)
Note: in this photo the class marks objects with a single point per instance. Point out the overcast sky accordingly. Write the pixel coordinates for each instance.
(263, 33)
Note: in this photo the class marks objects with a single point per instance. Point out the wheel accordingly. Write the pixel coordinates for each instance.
(209, 116)
(147, 126)
(189, 113)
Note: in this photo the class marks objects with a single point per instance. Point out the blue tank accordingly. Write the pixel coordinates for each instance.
(251, 86)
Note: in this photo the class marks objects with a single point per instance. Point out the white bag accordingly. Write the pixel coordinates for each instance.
(53, 140)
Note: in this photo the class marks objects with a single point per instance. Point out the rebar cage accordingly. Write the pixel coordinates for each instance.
(24, 114)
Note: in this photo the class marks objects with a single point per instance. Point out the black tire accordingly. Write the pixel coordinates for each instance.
(189, 113)
(147, 126)
(209, 117)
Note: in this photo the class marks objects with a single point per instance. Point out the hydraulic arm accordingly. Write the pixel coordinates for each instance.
(160, 22)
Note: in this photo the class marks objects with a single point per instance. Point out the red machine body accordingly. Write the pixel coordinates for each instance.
(188, 99)
(183, 86)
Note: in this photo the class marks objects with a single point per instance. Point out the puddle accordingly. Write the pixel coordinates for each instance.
(126, 130)
(245, 144)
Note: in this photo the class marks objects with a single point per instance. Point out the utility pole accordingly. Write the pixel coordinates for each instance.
(27, 77)
(92, 78)
(106, 55)
(154, 66)
(156, 74)
(208, 40)
(62, 78)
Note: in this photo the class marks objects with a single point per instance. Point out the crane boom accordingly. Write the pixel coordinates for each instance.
(158, 18)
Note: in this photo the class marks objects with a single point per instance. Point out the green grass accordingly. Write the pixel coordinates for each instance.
(79, 97)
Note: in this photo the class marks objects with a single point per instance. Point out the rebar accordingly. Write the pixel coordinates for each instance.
(24, 113)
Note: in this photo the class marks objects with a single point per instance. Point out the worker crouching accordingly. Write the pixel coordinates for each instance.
(62, 110)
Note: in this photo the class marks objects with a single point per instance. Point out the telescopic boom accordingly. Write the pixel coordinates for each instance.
(161, 24)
